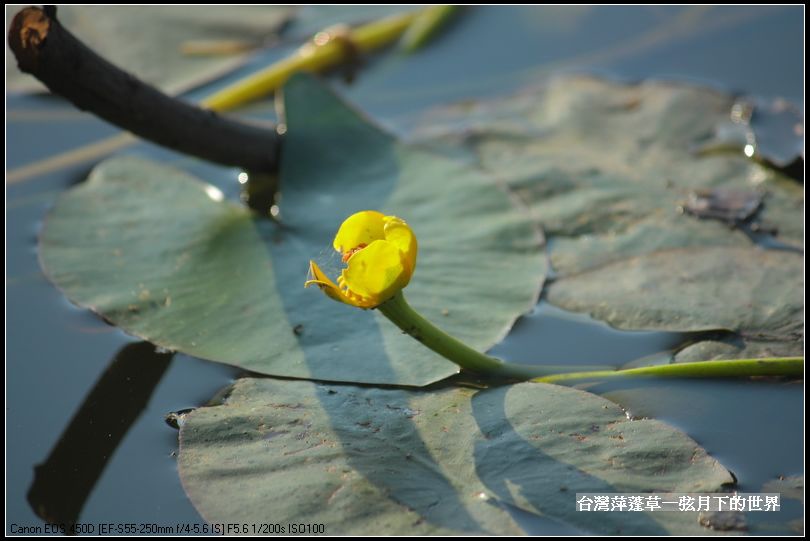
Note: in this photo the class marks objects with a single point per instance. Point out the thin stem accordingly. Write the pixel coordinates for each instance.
(411, 322)
(335, 48)
(429, 21)
(774, 366)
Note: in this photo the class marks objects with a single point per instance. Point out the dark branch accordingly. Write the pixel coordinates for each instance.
(46, 50)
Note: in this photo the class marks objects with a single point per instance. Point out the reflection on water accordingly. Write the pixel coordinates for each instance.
(64, 481)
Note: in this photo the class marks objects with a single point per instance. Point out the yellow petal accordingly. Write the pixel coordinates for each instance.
(398, 232)
(318, 278)
(363, 227)
(377, 271)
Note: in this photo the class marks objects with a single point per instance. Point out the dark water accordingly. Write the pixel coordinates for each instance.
(103, 461)
(551, 335)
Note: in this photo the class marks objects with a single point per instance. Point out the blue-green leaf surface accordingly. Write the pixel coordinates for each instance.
(451, 460)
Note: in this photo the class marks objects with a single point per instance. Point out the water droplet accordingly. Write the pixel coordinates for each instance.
(214, 193)
(749, 150)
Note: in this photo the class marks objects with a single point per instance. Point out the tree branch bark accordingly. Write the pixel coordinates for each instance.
(49, 52)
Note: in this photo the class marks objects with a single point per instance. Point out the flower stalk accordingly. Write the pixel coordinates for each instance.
(412, 323)
(772, 366)
(425, 26)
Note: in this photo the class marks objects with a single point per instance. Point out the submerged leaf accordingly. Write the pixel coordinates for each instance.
(371, 461)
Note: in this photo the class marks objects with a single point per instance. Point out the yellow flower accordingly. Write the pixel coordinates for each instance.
(380, 254)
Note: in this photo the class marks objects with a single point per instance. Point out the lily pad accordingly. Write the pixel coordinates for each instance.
(448, 461)
(746, 290)
(607, 169)
(159, 254)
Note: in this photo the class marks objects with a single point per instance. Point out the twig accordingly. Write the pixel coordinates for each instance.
(49, 52)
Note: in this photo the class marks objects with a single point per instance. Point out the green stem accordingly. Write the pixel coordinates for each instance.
(774, 366)
(425, 26)
(311, 58)
(411, 322)
(406, 318)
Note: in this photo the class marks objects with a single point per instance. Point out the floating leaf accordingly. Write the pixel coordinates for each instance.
(372, 461)
(158, 253)
(746, 290)
(607, 169)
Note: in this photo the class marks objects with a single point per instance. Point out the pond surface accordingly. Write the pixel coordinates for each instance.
(86, 436)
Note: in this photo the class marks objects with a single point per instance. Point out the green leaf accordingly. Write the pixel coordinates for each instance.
(149, 249)
(607, 169)
(451, 461)
(745, 289)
